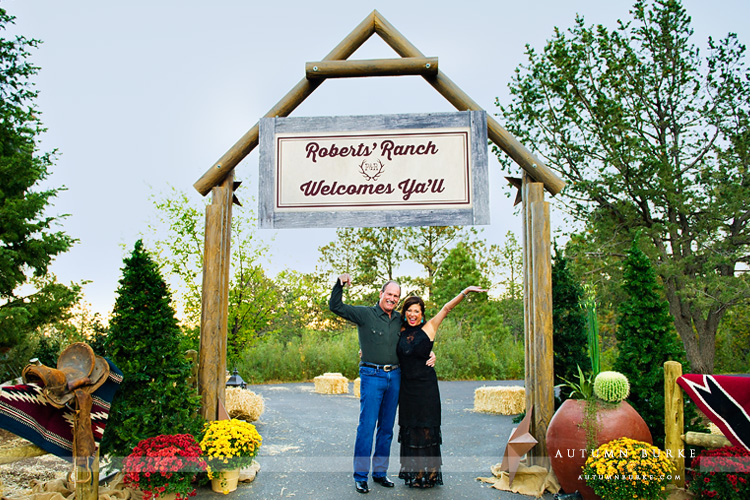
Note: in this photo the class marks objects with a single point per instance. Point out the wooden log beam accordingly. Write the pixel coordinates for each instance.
(215, 299)
(372, 67)
(461, 101)
(9, 455)
(706, 440)
(284, 107)
(674, 420)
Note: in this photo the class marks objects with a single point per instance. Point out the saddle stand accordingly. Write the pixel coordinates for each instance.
(78, 374)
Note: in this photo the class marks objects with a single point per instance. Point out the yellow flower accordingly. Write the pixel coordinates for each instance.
(231, 442)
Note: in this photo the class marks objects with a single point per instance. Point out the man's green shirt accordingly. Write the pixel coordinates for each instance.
(378, 332)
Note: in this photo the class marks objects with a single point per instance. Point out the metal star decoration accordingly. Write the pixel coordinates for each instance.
(520, 442)
(517, 183)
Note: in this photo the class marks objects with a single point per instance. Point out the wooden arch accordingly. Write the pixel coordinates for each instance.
(219, 180)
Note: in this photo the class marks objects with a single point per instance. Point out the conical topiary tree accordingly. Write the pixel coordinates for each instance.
(646, 338)
(143, 342)
(569, 323)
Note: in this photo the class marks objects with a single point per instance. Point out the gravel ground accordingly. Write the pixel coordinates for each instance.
(16, 477)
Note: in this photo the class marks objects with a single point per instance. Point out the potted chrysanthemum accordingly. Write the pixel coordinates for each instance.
(723, 473)
(164, 467)
(229, 445)
(625, 468)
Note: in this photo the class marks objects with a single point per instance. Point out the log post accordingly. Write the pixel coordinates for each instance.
(528, 304)
(215, 299)
(539, 377)
(674, 420)
(87, 479)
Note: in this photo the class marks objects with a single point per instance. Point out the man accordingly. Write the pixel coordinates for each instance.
(379, 327)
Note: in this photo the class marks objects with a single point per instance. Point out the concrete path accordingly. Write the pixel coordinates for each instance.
(308, 441)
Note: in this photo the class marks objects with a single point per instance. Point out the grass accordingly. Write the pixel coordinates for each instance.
(462, 354)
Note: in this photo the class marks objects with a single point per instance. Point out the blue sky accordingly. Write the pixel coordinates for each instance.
(141, 96)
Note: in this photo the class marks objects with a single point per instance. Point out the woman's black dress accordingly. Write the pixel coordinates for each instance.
(419, 411)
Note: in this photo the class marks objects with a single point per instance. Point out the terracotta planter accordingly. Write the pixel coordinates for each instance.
(566, 438)
(225, 481)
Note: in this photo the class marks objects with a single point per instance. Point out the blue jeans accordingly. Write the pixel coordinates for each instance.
(378, 401)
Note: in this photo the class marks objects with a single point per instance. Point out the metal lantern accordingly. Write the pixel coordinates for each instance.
(236, 381)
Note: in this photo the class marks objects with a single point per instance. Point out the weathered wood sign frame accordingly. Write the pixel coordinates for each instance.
(454, 194)
(219, 180)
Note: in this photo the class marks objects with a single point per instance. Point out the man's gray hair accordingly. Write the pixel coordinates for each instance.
(388, 283)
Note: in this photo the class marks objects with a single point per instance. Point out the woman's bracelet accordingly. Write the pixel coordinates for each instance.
(463, 293)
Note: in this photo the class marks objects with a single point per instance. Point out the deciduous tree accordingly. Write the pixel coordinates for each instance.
(650, 136)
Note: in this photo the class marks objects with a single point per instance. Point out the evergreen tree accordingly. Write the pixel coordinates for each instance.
(646, 339)
(30, 297)
(143, 342)
(569, 320)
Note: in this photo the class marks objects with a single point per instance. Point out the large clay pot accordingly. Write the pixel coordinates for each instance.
(566, 438)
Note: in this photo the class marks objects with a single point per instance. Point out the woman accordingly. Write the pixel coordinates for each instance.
(419, 397)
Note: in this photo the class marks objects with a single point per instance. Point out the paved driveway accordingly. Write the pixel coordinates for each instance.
(308, 441)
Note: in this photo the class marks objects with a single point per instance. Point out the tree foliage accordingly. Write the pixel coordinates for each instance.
(646, 339)
(650, 136)
(144, 342)
(30, 297)
(254, 298)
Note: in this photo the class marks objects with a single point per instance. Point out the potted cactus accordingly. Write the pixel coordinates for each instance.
(582, 425)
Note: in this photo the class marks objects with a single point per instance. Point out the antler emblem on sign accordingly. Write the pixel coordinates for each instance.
(371, 170)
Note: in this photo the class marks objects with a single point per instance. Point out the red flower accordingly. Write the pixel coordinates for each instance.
(164, 464)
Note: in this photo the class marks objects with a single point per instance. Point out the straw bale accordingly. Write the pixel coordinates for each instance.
(356, 387)
(505, 400)
(331, 383)
(244, 404)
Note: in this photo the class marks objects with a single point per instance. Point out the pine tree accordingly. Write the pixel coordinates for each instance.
(569, 320)
(30, 297)
(143, 342)
(646, 338)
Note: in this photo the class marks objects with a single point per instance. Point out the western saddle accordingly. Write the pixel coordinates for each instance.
(79, 373)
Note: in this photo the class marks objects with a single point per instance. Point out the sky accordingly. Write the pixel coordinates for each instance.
(142, 97)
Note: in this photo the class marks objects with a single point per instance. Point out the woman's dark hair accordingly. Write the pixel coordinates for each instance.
(410, 301)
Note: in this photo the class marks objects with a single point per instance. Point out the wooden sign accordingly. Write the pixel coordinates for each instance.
(382, 170)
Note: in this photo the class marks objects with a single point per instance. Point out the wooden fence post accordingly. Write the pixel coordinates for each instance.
(674, 420)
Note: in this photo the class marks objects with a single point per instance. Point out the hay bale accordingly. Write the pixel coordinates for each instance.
(505, 400)
(331, 383)
(244, 404)
(356, 387)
